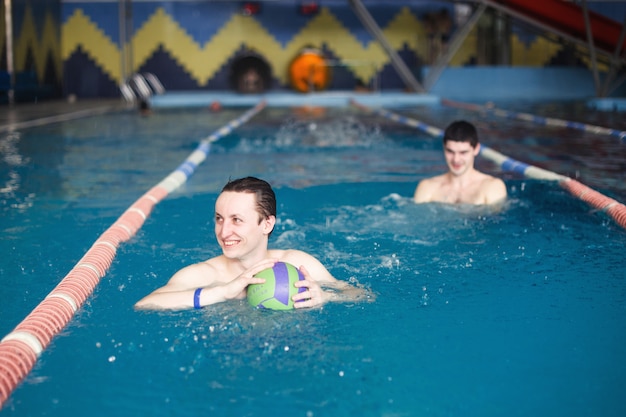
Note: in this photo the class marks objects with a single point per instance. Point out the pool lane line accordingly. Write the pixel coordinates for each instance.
(612, 207)
(545, 121)
(20, 349)
(42, 121)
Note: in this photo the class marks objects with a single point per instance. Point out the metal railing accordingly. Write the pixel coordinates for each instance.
(141, 87)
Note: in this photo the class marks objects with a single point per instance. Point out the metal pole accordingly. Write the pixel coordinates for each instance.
(592, 48)
(121, 22)
(606, 90)
(396, 61)
(129, 36)
(125, 29)
(456, 42)
(9, 39)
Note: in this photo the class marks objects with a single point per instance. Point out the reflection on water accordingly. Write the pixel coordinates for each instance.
(11, 160)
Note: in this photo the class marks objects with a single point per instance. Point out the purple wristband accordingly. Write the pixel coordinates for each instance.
(196, 299)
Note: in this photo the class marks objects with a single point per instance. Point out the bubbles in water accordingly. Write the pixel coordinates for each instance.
(390, 261)
(345, 131)
(10, 156)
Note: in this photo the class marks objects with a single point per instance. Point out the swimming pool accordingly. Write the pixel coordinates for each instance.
(479, 313)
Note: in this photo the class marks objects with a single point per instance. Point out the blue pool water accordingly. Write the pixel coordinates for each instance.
(518, 312)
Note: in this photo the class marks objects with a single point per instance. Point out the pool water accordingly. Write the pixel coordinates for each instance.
(479, 312)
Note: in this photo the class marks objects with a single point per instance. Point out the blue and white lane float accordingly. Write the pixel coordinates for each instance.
(20, 349)
(544, 121)
(592, 197)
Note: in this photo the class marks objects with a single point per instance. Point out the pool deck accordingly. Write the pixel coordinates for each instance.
(22, 115)
(282, 99)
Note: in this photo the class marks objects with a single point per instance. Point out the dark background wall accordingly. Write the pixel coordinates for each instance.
(88, 49)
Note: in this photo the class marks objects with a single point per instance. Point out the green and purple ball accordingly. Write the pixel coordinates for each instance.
(276, 292)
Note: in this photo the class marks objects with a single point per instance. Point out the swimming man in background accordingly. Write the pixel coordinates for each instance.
(245, 215)
(462, 184)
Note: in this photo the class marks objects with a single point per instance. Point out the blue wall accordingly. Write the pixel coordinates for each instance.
(65, 48)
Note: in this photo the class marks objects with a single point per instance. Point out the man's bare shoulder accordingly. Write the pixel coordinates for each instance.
(493, 189)
(427, 188)
(292, 256)
(434, 181)
(492, 181)
(300, 258)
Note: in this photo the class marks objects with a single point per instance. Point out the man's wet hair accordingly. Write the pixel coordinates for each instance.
(265, 197)
(461, 131)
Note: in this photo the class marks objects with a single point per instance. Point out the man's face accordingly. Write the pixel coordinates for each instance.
(237, 227)
(459, 156)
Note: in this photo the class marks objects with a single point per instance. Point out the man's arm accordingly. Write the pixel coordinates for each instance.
(321, 286)
(180, 292)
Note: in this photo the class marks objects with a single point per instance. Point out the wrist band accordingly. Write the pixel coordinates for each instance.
(196, 299)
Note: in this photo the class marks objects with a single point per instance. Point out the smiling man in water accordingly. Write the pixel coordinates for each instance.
(462, 184)
(245, 215)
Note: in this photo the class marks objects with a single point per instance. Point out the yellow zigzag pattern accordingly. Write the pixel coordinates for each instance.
(27, 39)
(403, 29)
(537, 54)
(200, 62)
(79, 30)
(203, 61)
(542, 50)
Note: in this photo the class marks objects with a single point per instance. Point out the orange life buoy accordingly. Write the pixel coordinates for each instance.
(309, 71)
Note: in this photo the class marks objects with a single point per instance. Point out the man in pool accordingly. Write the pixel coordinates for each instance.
(462, 184)
(245, 215)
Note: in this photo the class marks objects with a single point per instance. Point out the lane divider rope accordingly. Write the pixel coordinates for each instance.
(599, 201)
(545, 121)
(20, 349)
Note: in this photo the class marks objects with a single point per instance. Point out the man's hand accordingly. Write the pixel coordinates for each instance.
(236, 289)
(313, 296)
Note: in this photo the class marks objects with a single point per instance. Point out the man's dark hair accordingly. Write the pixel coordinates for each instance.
(461, 131)
(265, 197)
